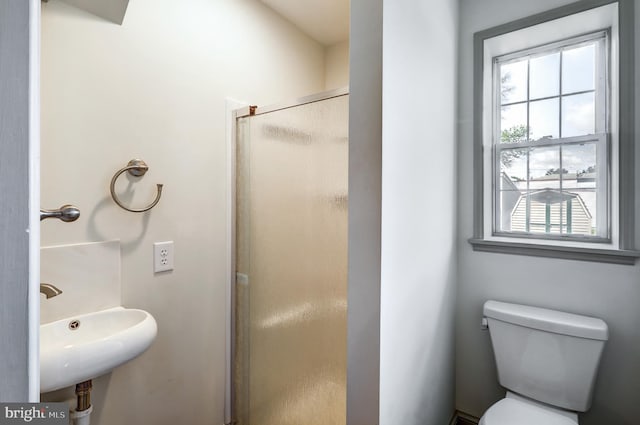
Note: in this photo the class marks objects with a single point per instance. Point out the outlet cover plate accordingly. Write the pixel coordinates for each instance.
(163, 256)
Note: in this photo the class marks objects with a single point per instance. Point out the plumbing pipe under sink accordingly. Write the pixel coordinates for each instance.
(81, 413)
(81, 418)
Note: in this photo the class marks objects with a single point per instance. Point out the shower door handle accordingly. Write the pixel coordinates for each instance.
(66, 213)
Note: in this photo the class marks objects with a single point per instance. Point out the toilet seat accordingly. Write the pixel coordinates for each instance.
(510, 411)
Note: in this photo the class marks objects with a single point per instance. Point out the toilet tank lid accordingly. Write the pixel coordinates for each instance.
(547, 320)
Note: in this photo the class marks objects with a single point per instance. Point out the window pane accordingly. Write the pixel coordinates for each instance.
(578, 115)
(513, 82)
(578, 69)
(513, 165)
(543, 119)
(513, 123)
(512, 184)
(581, 185)
(580, 159)
(544, 76)
(544, 168)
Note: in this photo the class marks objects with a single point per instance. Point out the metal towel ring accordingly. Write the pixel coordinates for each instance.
(137, 168)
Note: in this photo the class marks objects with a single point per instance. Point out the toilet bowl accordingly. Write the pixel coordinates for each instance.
(546, 359)
(515, 410)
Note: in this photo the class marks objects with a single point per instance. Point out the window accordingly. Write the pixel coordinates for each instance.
(550, 144)
(554, 146)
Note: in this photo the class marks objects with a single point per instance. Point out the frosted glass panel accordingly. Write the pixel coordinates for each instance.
(291, 296)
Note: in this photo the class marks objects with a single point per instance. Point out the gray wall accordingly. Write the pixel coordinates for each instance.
(610, 292)
(365, 150)
(418, 240)
(14, 189)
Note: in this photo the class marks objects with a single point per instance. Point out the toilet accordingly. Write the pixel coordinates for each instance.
(546, 359)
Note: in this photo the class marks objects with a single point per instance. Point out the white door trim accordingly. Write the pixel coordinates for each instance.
(33, 303)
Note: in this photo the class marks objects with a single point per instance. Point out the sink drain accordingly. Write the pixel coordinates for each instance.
(74, 324)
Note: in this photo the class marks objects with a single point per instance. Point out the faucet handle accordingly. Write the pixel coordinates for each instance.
(66, 213)
(49, 290)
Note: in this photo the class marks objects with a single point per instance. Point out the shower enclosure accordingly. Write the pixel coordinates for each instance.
(290, 298)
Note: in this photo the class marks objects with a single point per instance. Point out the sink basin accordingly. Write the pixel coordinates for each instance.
(84, 347)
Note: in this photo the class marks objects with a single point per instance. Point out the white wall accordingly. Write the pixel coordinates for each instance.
(155, 88)
(418, 212)
(336, 66)
(610, 292)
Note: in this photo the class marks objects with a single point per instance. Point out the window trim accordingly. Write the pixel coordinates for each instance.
(621, 249)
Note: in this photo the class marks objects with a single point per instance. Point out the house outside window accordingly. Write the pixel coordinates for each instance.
(554, 134)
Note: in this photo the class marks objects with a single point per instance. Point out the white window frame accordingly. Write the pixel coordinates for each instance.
(564, 23)
(600, 137)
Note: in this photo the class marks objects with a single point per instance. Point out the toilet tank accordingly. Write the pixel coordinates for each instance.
(546, 355)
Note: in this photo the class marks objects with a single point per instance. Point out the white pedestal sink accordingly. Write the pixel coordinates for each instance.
(84, 347)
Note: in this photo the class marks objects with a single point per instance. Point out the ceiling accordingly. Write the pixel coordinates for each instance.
(326, 21)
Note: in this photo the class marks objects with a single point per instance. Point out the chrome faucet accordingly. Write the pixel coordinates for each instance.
(49, 290)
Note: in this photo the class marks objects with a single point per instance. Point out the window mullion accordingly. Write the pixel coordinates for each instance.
(528, 197)
(551, 142)
(497, 135)
(561, 172)
(528, 206)
(560, 136)
(560, 98)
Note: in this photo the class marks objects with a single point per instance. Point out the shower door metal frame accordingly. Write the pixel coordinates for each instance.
(247, 111)
(318, 97)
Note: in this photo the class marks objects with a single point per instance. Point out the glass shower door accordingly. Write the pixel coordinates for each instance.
(291, 263)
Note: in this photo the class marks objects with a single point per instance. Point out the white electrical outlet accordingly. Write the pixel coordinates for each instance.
(163, 256)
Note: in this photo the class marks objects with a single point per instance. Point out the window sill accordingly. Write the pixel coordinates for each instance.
(626, 257)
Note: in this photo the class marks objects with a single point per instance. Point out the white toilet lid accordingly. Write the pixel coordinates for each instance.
(514, 412)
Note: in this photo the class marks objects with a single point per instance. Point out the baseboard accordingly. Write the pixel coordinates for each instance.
(461, 418)
(454, 419)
